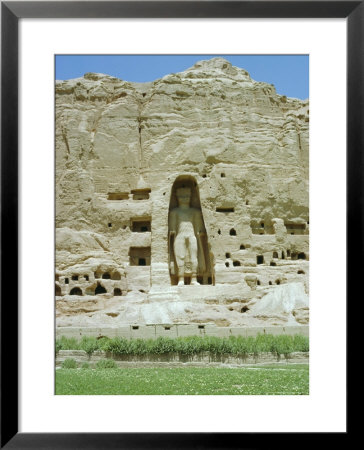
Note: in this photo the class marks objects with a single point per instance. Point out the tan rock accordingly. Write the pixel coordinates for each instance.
(122, 152)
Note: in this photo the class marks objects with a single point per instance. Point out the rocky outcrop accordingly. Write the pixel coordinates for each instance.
(121, 146)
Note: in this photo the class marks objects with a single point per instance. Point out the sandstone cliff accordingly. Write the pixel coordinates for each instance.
(120, 146)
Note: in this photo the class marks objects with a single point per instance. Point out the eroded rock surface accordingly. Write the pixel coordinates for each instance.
(122, 150)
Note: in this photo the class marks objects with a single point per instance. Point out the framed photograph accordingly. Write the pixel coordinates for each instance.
(228, 222)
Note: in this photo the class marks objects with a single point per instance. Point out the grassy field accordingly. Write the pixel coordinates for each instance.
(267, 380)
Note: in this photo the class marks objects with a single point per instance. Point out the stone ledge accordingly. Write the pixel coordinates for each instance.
(171, 359)
(175, 330)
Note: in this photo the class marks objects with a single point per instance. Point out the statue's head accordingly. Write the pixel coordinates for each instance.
(183, 195)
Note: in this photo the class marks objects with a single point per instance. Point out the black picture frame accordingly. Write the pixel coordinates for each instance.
(11, 12)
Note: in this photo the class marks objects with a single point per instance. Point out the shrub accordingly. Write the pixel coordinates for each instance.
(85, 365)
(301, 343)
(69, 363)
(284, 345)
(190, 345)
(68, 343)
(89, 345)
(106, 364)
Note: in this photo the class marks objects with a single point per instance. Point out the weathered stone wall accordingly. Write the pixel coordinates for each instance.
(119, 148)
(175, 360)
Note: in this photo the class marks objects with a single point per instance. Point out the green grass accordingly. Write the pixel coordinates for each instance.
(267, 380)
(191, 345)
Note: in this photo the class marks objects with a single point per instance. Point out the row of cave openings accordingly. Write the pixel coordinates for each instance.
(100, 289)
(292, 229)
(292, 255)
(278, 281)
(97, 291)
(260, 258)
(137, 225)
(106, 276)
(136, 194)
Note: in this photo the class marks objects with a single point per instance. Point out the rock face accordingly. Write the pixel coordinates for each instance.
(123, 150)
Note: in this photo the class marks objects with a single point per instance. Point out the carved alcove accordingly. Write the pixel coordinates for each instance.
(205, 270)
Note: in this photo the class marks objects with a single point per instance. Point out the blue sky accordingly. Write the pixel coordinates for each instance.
(288, 73)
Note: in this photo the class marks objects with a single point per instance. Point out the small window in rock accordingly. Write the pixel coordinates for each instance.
(141, 196)
(236, 263)
(247, 202)
(140, 256)
(201, 327)
(117, 292)
(227, 255)
(58, 291)
(222, 175)
(66, 280)
(118, 196)
(278, 281)
(204, 175)
(301, 256)
(86, 277)
(225, 210)
(167, 328)
(242, 247)
(141, 225)
(283, 256)
(258, 282)
(219, 231)
(232, 232)
(301, 272)
(134, 327)
(272, 263)
(260, 259)
(76, 291)
(116, 276)
(109, 225)
(227, 264)
(275, 254)
(244, 309)
(74, 277)
(100, 289)
(262, 225)
(144, 94)
(106, 276)
(270, 283)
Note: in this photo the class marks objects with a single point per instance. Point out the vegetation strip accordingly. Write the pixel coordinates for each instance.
(293, 380)
(192, 345)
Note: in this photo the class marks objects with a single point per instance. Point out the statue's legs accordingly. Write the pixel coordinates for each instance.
(180, 253)
(192, 245)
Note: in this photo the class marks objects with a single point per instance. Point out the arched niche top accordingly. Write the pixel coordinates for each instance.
(187, 181)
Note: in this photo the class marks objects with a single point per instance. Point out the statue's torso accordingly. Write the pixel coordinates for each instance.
(185, 221)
